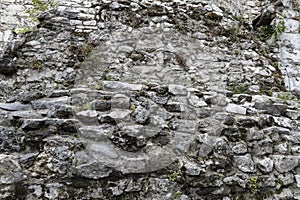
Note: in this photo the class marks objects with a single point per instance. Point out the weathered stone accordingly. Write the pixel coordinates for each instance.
(286, 179)
(229, 121)
(104, 150)
(240, 148)
(297, 177)
(263, 147)
(245, 163)
(121, 86)
(238, 179)
(120, 101)
(141, 115)
(266, 181)
(286, 193)
(46, 104)
(96, 133)
(293, 114)
(101, 105)
(88, 117)
(254, 134)
(184, 126)
(233, 108)
(93, 170)
(285, 163)
(30, 96)
(196, 102)
(266, 165)
(193, 169)
(177, 90)
(14, 106)
(273, 109)
(10, 170)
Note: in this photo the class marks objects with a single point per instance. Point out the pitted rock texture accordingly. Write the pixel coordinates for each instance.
(147, 100)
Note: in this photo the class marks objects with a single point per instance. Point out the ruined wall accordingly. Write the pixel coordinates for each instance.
(147, 100)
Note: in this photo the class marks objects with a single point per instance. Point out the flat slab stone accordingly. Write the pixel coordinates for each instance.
(14, 106)
(104, 150)
(233, 108)
(177, 89)
(121, 86)
(46, 104)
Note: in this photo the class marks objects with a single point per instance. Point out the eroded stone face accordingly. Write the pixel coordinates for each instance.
(149, 113)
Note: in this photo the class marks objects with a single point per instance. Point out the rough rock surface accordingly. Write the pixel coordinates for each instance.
(150, 100)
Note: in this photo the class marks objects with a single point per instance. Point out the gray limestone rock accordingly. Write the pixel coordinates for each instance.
(184, 126)
(48, 103)
(196, 102)
(10, 170)
(263, 147)
(240, 148)
(105, 150)
(245, 163)
(88, 117)
(141, 115)
(101, 105)
(285, 164)
(193, 169)
(17, 106)
(273, 109)
(233, 108)
(286, 178)
(297, 177)
(96, 133)
(120, 101)
(121, 86)
(177, 90)
(266, 165)
(10, 140)
(93, 170)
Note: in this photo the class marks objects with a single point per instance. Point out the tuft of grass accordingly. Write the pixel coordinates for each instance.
(238, 88)
(285, 96)
(35, 63)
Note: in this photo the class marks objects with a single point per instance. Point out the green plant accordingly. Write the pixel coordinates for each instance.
(253, 182)
(173, 176)
(22, 30)
(280, 28)
(38, 7)
(178, 195)
(86, 49)
(285, 96)
(35, 63)
(268, 31)
(238, 88)
(265, 32)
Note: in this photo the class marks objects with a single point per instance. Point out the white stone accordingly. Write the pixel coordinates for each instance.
(75, 22)
(233, 108)
(90, 23)
(297, 177)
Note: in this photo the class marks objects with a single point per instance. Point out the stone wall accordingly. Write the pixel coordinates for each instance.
(147, 100)
(289, 52)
